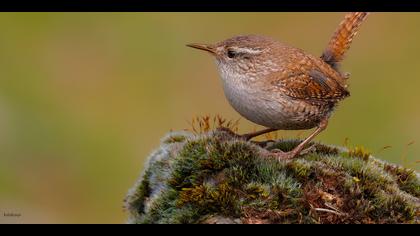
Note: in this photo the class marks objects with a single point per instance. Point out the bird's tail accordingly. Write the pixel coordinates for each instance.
(342, 38)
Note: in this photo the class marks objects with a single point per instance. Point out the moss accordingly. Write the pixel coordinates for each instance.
(136, 199)
(359, 152)
(213, 178)
(408, 180)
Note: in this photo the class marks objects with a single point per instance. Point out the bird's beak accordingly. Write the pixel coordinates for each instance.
(204, 47)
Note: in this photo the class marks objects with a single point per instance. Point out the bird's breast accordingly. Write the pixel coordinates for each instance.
(251, 102)
(269, 109)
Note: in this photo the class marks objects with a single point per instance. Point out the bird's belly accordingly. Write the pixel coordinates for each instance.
(273, 111)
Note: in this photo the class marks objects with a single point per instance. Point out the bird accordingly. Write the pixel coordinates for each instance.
(282, 87)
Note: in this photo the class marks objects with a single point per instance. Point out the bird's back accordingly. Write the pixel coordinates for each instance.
(301, 75)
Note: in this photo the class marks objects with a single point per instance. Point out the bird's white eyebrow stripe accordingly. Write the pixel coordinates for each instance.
(246, 50)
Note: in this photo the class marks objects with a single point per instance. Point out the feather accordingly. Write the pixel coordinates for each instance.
(342, 38)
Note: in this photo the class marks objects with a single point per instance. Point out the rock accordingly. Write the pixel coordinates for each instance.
(217, 178)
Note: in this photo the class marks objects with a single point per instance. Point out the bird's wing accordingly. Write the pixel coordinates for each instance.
(307, 84)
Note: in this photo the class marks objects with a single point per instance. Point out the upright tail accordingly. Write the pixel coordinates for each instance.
(342, 38)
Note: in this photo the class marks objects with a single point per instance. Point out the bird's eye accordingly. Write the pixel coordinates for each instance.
(231, 53)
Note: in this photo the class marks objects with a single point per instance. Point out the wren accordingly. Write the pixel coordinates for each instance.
(282, 87)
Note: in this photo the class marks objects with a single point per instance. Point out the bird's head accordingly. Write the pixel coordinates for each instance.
(241, 54)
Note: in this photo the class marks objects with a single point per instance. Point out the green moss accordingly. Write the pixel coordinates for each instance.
(205, 177)
(136, 199)
(359, 152)
(406, 179)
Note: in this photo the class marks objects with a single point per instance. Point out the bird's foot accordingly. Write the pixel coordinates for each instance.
(280, 155)
(248, 136)
(308, 150)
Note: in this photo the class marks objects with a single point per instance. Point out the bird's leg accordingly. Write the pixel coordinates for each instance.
(247, 136)
(257, 133)
(299, 149)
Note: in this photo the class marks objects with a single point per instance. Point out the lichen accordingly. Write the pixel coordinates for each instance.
(214, 177)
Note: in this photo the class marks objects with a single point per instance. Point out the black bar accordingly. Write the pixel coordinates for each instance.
(210, 5)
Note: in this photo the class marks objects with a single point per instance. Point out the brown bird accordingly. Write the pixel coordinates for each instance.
(282, 87)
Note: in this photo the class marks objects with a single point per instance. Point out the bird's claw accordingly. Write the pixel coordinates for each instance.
(280, 155)
(308, 150)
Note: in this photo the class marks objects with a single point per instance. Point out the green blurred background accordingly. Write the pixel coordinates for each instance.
(84, 97)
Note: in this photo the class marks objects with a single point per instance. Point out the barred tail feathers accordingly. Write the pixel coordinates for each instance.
(342, 38)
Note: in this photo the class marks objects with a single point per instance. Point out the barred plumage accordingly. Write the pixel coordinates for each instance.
(282, 87)
(342, 38)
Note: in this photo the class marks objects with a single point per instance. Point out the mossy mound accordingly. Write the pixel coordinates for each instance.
(216, 178)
